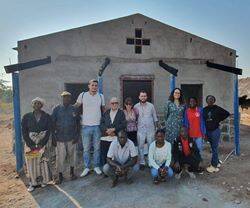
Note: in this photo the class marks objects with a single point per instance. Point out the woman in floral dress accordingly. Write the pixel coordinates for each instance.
(173, 114)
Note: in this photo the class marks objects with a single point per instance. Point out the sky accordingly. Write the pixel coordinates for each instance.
(225, 21)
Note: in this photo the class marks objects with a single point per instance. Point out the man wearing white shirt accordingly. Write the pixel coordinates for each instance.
(92, 107)
(147, 123)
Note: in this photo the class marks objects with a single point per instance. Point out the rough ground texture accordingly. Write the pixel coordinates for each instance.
(228, 188)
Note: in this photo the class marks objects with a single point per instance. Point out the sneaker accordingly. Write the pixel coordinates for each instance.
(43, 185)
(97, 170)
(178, 175)
(219, 164)
(191, 174)
(30, 189)
(212, 169)
(85, 172)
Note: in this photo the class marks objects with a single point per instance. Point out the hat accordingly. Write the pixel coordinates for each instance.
(65, 93)
(38, 99)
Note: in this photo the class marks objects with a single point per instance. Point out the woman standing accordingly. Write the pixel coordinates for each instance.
(173, 114)
(131, 118)
(213, 115)
(36, 129)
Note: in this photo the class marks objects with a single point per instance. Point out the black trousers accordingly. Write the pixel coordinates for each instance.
(104, 147)
(132, 135)
(192, 161)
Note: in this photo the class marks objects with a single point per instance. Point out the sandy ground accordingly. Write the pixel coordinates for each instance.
(228, 188)
(12, 190)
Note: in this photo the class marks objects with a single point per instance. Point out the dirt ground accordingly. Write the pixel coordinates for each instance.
(233, 179)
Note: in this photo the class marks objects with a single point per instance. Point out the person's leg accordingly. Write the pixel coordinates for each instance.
(199, 144)
(60, 159)
(96, 143)
(150, 136)
(71, 149)
(109, 171)
(214, 146)
(155, 175)
(141, 137)
(104, 148)
(86, 141)
(131, 172)
(170, 172)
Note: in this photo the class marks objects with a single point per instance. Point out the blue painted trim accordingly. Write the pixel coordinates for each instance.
(100, 84)
(17, 122)
(236, 117)
(172, 83)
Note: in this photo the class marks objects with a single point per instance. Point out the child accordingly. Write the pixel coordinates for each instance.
(186, 156)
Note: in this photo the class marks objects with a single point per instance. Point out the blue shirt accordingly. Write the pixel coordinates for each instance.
(65, 122)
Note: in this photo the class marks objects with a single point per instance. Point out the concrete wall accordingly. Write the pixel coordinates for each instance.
(77, 55)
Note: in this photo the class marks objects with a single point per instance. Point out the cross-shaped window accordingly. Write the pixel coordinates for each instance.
(138, 41)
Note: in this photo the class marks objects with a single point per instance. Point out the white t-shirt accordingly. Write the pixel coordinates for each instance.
(91, 108)
(112, 115)
(122, 154)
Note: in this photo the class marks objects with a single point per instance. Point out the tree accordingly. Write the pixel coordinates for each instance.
(5, 92)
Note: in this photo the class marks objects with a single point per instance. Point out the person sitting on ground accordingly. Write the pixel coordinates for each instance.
(186, 156)
(159, 158)
(121, 159)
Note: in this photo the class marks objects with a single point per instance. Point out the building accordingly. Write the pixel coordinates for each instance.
(134, 45)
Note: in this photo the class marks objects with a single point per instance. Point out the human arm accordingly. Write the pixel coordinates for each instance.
(25, 132)
(45, 140)
(122, 122)
(222, 114)
(155, 117)
(151, 160)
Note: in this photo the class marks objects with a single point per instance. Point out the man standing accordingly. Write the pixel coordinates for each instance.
(147, 123)
(92, 107)
(65, 135)
(121, 159)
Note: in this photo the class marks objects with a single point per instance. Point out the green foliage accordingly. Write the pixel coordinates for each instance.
(5, 92)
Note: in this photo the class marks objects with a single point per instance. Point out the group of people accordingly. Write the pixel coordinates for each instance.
(123, 141)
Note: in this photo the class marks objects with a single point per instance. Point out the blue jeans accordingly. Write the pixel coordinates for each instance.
(155, 173)
(214, 139)
(199, 143)
(89, 134)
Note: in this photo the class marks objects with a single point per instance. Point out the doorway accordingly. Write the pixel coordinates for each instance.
(192, 90)
(131, 87)
(75, 89)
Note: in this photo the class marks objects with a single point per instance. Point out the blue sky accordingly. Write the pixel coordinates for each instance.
(225, 21)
